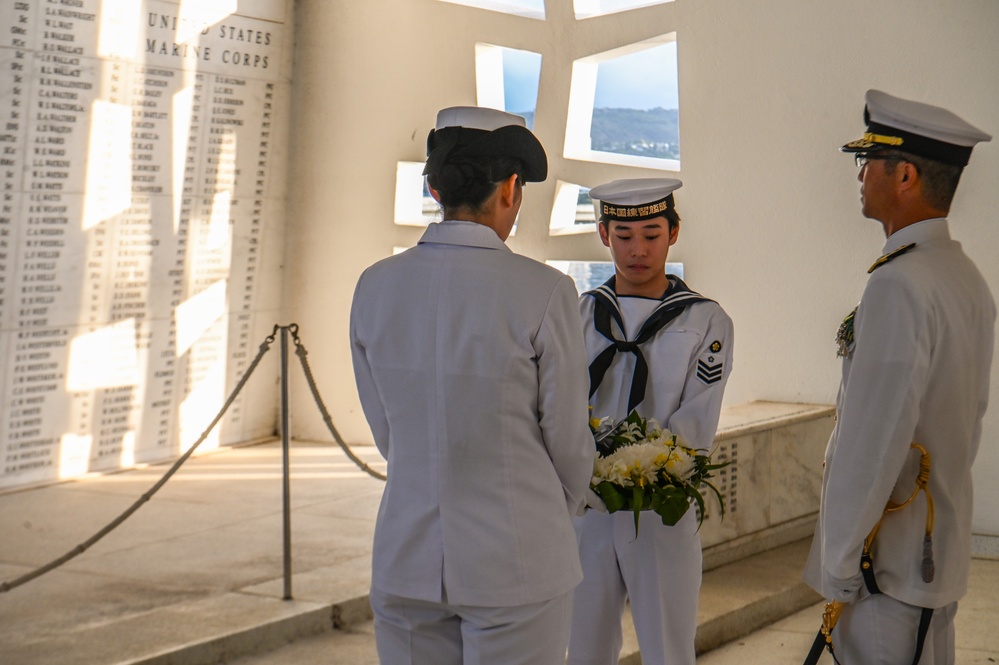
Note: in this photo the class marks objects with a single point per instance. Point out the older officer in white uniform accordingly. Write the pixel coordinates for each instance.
(916, 354)
(659, 348)
(470, 365)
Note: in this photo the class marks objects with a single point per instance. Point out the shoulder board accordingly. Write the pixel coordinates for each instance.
(889, 256)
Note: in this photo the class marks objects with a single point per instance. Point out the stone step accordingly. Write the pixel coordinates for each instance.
(331, 602)
(736, 599)
(745, 595)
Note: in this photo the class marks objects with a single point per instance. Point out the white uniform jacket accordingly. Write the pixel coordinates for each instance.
(917, 371)
(471, 370)
(659, 571)
(689, 363)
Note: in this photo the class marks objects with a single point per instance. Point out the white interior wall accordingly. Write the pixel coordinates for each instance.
(772, 226)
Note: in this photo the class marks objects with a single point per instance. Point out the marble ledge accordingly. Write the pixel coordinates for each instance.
(751, 417)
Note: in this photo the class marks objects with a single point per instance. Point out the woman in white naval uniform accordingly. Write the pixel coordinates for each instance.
(471, 370)
(687, 346)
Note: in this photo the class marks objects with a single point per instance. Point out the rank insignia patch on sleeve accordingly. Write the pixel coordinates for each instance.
(709, 373)
(715, 346)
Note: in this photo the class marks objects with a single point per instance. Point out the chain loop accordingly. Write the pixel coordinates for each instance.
(302, 354)
(264, 347)
(84, 546)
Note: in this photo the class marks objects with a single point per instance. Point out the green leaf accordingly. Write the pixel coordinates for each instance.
(721, 501)
(613, 498)
(696, 496)
(670, 504)
(638, 498)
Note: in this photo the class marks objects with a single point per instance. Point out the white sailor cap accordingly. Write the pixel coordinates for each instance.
(921, 129)
(477, 117)
(634, 199)
(472, 131)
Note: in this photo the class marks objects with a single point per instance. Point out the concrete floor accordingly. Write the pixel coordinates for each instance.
(787, 641)
(195, 575)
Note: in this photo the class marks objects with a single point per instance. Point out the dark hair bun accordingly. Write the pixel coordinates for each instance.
(455, 176)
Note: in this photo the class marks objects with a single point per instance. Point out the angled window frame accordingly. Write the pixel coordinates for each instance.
(582, 95)
(585, 9)
(412, 207)
(567, 218)
(533, 9)
(490, 78)
(588, 275)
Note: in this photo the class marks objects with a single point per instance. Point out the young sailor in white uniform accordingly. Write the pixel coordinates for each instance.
(659, 348)
(471, 370)
(917, 354)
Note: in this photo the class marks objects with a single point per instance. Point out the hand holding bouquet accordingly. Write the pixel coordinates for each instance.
(640, 466)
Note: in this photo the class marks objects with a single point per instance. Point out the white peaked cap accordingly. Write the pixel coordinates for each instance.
(476, 117)
(894, 123)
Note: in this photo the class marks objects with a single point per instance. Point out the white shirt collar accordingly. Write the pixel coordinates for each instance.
(924, 231)
(458, 232)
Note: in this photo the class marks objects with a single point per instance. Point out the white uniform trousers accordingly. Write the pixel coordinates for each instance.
(417, 632)
(659, 572)
(879, 630)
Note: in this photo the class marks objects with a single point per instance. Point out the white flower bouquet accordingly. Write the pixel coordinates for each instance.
(640, 466)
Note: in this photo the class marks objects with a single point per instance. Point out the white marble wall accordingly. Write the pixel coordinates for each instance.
(143, 159)
(773, 486)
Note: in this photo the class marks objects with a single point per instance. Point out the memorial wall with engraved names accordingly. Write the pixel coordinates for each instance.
(142, 172)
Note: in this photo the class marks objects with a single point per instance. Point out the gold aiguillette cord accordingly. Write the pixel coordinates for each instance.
(830, 615)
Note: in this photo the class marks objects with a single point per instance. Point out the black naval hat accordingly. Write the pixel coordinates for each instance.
(894, 123)
(471, 131)
(634, 199)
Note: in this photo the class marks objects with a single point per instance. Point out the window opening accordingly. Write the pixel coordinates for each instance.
(507, 79)
(591, 8)
(624, 106)
(413, 204)
(572, 211)
(588, 275)
(527, 8)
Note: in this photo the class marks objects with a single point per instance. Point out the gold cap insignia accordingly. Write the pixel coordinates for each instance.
(882, 139)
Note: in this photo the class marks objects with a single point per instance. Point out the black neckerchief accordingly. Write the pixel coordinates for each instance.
(606, 307)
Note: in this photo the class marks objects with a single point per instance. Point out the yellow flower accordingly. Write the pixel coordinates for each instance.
(680, 464)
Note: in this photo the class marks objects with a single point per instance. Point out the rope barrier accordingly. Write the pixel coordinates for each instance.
(302, 355)
(264, 347)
